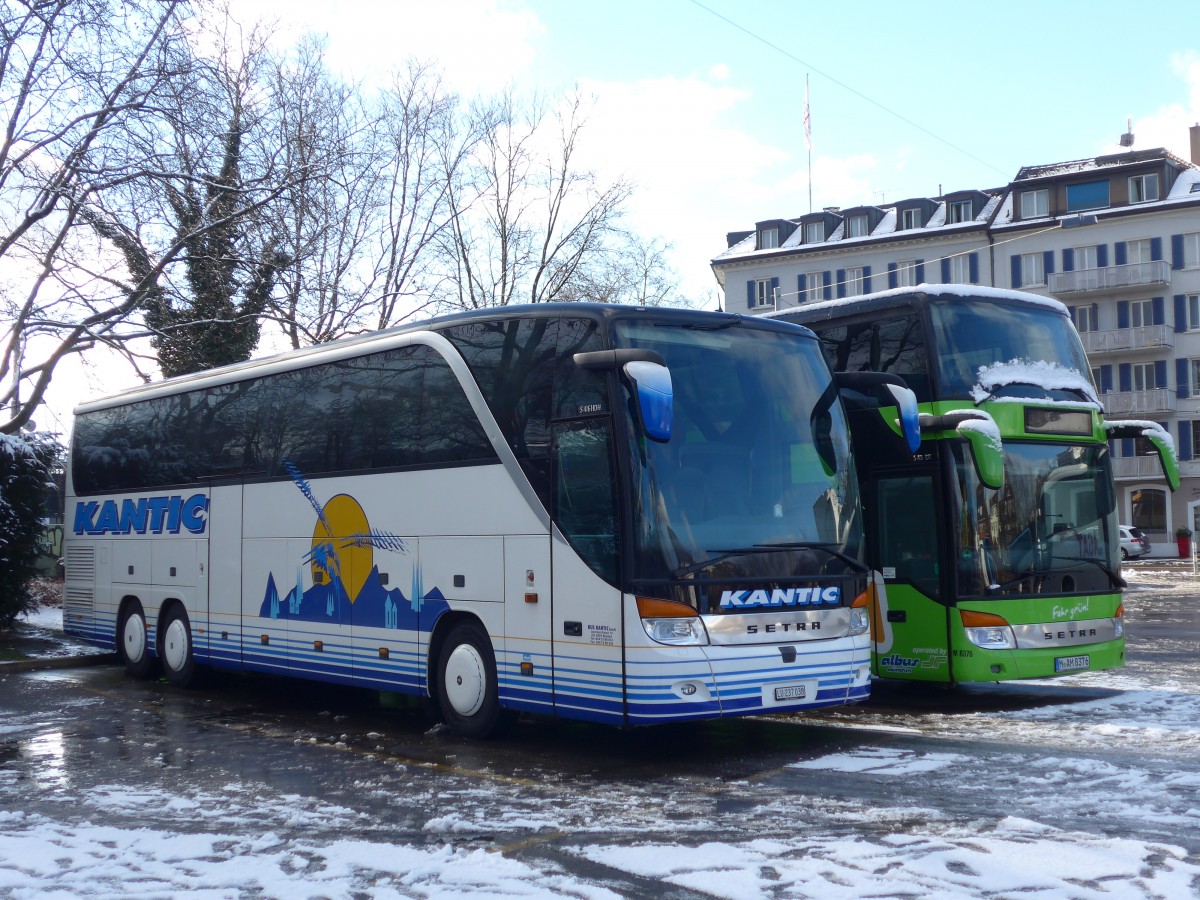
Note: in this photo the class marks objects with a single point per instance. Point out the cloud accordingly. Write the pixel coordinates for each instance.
(1168, 126)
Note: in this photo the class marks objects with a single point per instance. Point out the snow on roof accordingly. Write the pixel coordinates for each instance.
(1049, 376)
(933, 290)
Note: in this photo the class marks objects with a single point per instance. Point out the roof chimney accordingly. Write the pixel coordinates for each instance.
(1194, 131)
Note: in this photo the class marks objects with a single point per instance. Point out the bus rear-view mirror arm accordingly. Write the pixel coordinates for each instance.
(979, 430)
(888, 386)
(1159, 440)
(650, 380)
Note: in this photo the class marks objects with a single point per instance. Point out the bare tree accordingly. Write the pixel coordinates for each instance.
(634, 271)
(527, 221)
(74, 76)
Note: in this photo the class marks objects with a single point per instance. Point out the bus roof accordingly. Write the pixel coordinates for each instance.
(920, 293)
(389, 337)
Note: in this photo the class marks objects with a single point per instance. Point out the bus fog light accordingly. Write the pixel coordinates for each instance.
(860, 620)
(1118, 628)
(677, 632)
(992, 637)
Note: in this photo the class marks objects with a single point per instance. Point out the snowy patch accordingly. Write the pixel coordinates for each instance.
(883, 761)
(1049, 376)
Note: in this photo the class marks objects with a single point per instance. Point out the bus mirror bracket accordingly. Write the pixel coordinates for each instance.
(979, 430)
(882, 387)
(1158, 439)
(651, 383)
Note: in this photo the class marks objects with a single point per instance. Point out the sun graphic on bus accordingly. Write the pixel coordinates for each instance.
(347, 586)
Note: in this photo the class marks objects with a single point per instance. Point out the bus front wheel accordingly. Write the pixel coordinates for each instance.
(175, 648)
(467, 692)
(132, 645)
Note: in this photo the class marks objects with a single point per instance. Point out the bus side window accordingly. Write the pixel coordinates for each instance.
(584, 493)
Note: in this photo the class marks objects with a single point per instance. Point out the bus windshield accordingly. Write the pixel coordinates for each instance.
(1050, 530)
(757, 477)
(969, 334)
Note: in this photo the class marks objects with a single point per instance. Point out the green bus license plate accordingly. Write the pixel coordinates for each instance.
(1072, 663)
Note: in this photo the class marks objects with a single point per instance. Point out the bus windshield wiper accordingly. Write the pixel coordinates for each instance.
(723, 554)
(1115, 577)
(996, 588)
(813, 545)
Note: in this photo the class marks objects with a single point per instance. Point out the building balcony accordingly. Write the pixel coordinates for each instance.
(1121, 403)
(1139, 468)
(1144, 337)
(1111, 278)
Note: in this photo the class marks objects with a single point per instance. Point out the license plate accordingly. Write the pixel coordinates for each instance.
(791, 692)
(1072, 663)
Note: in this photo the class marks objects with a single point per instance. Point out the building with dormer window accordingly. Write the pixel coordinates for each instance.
(1115, 238)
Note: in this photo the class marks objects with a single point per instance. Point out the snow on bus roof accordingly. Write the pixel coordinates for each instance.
(933, 290)
(1047, 375)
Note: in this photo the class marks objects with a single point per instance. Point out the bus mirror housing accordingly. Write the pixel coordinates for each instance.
(979, 430)
(1159, 440)
(655, 399)
(910, 419)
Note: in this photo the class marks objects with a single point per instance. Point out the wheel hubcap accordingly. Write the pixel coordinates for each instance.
(134, 637)
(466, 680)
(175, 645)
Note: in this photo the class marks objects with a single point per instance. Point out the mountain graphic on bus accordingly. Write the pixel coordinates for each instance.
(347, 587)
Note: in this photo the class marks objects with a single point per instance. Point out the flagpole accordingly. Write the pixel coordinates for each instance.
(808, 141)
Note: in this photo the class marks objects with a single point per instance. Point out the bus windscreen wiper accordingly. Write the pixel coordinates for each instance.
(1116, 579)
(813, 545)
(723, 554)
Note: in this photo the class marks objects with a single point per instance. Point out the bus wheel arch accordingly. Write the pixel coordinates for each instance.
(133, 642)
(463, 676)
(175, 648)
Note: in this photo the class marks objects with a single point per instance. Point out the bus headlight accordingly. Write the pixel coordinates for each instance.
(988, 631)
(1119, 621)
(668, 622)
(860, 619)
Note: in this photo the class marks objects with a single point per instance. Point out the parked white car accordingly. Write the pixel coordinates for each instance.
(1134, 542)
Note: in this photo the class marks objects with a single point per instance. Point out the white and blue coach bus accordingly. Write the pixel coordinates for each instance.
(621, 515)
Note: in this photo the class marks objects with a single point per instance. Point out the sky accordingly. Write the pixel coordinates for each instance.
(700, 103)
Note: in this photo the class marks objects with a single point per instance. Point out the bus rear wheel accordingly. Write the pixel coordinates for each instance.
(466, 687)
(132, 646)
(175, 648)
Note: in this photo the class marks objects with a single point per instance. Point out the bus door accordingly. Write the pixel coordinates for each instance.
(910, 628)
(587, 628)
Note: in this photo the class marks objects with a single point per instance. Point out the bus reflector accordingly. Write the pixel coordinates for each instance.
(384, 653)
(653, 608)
(971, 619)
(865, 598)
(1120, 611)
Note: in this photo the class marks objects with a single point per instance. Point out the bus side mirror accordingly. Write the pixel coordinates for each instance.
(979, 430)
(655, 397)
(1159, 440)
(910, 419)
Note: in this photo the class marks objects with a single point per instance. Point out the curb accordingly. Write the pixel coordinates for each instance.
(57, 662)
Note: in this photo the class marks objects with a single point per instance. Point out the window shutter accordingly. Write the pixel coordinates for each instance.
(867, 279)
(1181, 320)
(1068, 260)
(841, 283)
(1102, 255)
(945, 271)
(801, 288)
(1106, 379)
(1125, 377)
(1096, 316)
(1185, 439)
(775, 292)
(1156, 248)
(1122, 252)
(1048, 264)
(1181, 379)
(1127, 447)
(1074, 321)
(1160, 313)
(1160, 373)
(1122, 313)
(1177, 252)
(827, 293)
(1016, 270)
(973, 268)
(920, 271)
(891, 275)
(750, 294)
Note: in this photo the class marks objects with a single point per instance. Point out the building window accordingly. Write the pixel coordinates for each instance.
(960, 269)
(814, 283)
(1143, 188)
(906, 273)
(814, 232)
(1085, 320)
(1089, 195)
(1035, 204)
(1194, 371)
(1141, 313)
(1143, 377)
(1191, 251)
(910, 218)
(1193, 312)
(854, 281)
(768, 239)
(960, 211)
(1149, 509)
(858, 226)
(1138, 251)
(764, 294)
(1195, 438)
(1086, 258)
(1033, 270)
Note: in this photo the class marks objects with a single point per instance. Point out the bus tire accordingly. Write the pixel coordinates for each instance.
(467, 692)
(175, 647)
(132, 646)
